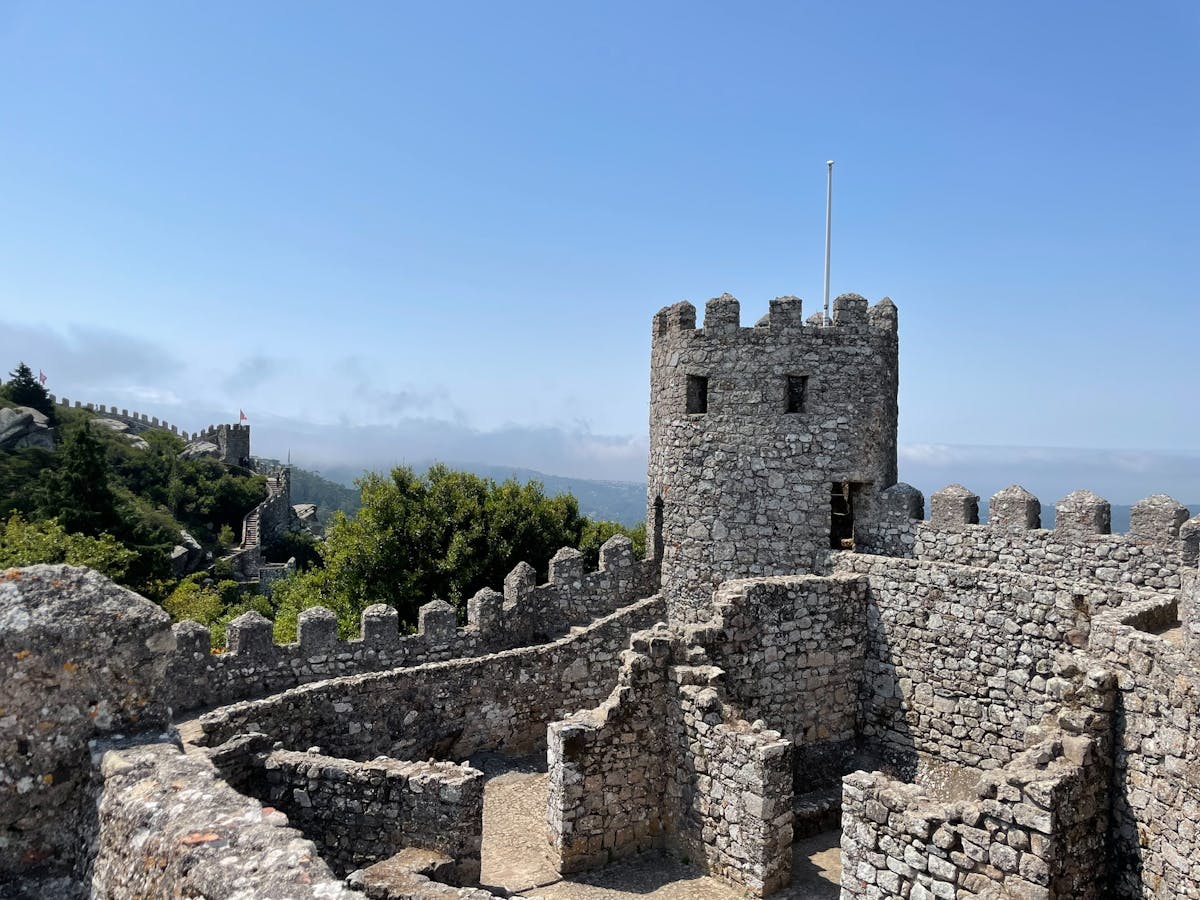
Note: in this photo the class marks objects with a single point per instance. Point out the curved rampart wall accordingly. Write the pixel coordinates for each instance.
(445, 710)
(252, 665)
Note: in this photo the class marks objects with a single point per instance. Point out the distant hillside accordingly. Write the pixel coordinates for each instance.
(616, 501)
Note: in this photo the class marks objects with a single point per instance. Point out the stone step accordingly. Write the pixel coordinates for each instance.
(817, 811)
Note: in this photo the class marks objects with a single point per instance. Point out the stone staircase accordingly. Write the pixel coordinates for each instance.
(250, 536)
(250, 530)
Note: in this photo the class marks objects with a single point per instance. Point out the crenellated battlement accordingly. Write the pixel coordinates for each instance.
(785, 316)
(251, 663)
(1161, 541)
(138, 421)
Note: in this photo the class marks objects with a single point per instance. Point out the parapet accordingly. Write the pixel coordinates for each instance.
(252, 664)
(903, 501)
(722, 317)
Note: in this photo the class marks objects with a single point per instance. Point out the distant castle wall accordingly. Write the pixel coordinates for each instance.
(138, 422)
(752, 430)
(233, 441)
(253, 665)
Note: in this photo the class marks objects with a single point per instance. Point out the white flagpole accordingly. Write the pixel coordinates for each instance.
(828, 229)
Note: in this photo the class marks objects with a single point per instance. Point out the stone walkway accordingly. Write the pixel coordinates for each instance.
(516, 855)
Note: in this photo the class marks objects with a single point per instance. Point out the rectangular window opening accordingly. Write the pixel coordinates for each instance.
(697, 394)
(797, 390)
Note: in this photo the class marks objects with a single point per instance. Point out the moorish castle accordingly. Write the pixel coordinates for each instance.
(967, 710)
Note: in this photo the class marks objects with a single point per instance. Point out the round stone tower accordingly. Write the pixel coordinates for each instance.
(768, 445)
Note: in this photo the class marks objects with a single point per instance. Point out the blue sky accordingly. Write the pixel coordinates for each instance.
(396, 231)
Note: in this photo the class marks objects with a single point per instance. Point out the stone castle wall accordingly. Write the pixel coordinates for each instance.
(1156, 784)
(252, 665)
(446, 710)
(359, 813)
(958, 659)
(792, 650)
(1161, 542)
(664, 761)
(745, 485)
(170, 826)
(1032, 829)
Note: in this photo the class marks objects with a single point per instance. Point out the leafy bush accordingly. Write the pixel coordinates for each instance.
(29, 543)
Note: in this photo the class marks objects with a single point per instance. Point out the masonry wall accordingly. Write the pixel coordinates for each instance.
(445, 710)
(360, 813)
(734, 783)
(275, 514)
(1116, 560)
(792, 649)
(1156, 787)
(80, 659)
(1033, 829)
(171, 827)
(1159, 546)
(958, 658)
(663, 761)
(252, 665)
(745, 486)
(609, 766)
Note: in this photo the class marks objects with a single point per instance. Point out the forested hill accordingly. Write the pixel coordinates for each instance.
(614, 501)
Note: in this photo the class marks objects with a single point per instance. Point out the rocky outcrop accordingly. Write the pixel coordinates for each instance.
(25, 427)
(306, 515)
(196, 449)
(187, 556)
(122, 429)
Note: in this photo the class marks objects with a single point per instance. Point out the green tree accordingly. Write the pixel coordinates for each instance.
(28, 543)
(24, 389)
(78, 493)
(444, 534)
(596, 532)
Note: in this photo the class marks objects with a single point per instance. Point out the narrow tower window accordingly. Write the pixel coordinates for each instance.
(797, 390)
(697, 393)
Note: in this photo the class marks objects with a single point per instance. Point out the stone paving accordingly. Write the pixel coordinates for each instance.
(516, 853)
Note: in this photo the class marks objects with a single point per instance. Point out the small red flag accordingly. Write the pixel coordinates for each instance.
(41, 377)
(242, 416)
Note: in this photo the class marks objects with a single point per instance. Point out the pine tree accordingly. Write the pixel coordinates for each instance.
(24, 389)
(80, 494)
